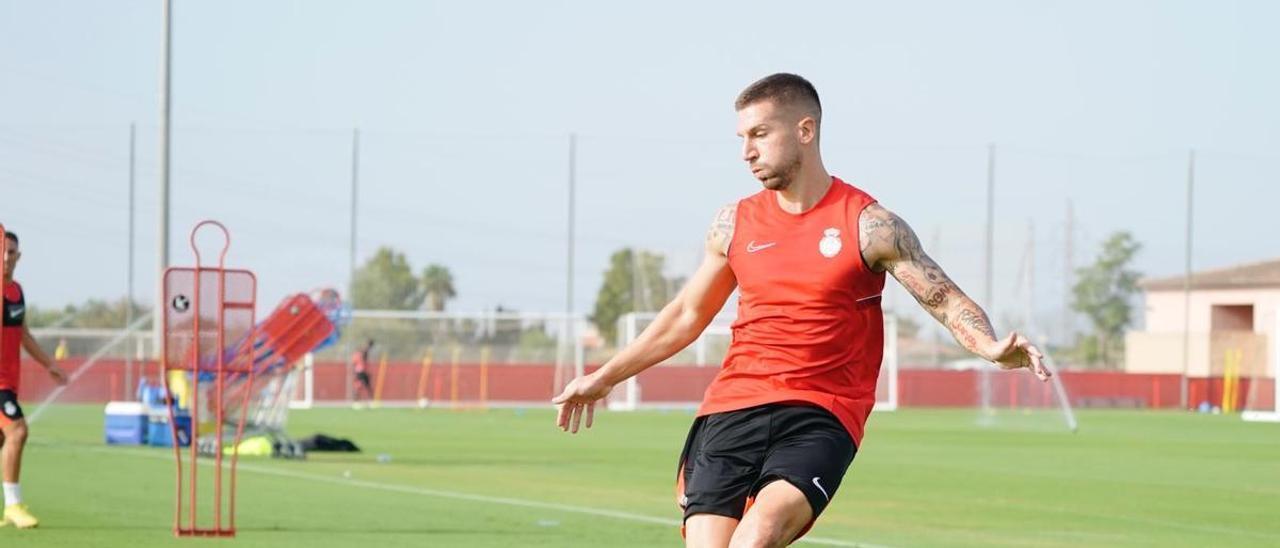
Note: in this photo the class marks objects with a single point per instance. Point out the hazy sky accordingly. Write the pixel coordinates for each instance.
(465, 110)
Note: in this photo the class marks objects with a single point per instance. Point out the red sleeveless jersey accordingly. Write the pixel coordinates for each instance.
(809, 328)
(15, 312)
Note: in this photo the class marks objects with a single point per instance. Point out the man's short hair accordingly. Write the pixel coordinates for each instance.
(12, 236)
(783, 89)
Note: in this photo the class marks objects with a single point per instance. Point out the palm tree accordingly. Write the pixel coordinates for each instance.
(437, 284)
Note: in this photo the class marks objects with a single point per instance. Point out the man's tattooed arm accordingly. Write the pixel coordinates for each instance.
(889, 244)
(721, 232)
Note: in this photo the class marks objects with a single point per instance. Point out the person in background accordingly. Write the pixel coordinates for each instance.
(13, 335)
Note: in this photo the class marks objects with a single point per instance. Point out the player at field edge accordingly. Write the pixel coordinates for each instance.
(781, 422)
(363, 384)
(12, 424)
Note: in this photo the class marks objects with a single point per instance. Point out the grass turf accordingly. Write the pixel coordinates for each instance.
(508, 478)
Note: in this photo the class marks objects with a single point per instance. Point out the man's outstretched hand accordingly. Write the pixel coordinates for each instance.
(1015, 352)
(59, 376)
(579, 399)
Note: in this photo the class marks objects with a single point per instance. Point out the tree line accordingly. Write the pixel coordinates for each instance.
(635, 281)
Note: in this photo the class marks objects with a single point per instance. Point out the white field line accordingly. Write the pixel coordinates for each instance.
(456, 495)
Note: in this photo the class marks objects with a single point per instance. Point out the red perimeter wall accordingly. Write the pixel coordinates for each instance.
(402, 381)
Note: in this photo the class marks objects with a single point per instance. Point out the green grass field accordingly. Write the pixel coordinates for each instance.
(508, 478)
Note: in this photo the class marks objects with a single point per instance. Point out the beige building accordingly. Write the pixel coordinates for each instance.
(1231, 310)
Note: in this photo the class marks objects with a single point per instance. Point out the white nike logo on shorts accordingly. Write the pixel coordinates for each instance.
(819, 486)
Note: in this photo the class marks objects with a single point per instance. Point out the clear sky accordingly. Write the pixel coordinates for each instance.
(465, 110)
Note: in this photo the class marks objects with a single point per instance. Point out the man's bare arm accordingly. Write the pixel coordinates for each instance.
(720, 235)
(683, 319)
(889, 244)
(33, 348)
(676, 326)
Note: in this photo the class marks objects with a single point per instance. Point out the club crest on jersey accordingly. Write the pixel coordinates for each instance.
(830, 244)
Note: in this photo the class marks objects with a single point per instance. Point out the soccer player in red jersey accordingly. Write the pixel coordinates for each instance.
(14, 334)
(360, 361)
(780, 423)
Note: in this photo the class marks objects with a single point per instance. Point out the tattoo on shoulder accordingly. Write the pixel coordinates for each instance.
(721, 230)
(886, 234)
(876, 227)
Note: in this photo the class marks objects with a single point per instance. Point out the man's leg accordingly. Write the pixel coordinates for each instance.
(363, 387)
(708, 531)
(808, 457)
(15, 437)
(719, 465)
(357, 394)
(780, 512)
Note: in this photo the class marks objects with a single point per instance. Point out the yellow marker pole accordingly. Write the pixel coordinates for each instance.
(1235, 379)
(1227, 378)
(1227, 363)
(1226, 366)
(1232, 381)
(453, 377)
(1235, 389)
(484, 378)
(382, 377)
(423, 376)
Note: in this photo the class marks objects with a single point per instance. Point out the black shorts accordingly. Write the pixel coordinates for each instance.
(10, 411)
(730, 456)
(363, 378)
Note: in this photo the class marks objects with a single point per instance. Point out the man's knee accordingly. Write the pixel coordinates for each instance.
(16, 433)
(779, 514)
(708, 530)
(767, 531)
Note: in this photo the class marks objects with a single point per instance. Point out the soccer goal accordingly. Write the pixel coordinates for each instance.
(1018, 399)
(302, 385)
(1261, 389)
(680, 381)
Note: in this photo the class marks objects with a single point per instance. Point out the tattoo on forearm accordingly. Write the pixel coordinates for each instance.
(976, 321)
(967, 325)
(963, 336)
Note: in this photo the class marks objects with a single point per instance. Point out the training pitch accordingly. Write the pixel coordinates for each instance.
(507, 477)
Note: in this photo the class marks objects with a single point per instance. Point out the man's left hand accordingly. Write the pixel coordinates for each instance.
(1015, 352)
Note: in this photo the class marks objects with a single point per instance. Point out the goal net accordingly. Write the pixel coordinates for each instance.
(1020, 400)
(680, 381)
(449, 359)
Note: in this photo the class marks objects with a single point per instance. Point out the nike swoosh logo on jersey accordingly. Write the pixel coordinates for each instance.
(15, 312)
(752, 247)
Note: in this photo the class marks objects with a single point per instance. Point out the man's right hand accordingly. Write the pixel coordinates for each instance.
(59, 376)
(579, 398)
